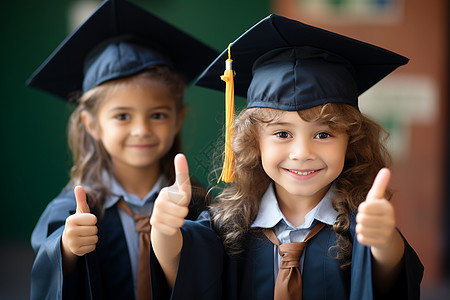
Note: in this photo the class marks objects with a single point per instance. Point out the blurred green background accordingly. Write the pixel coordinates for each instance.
(36, 160)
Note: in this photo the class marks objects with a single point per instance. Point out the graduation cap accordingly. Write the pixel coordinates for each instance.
(285, 64)
(119, 39)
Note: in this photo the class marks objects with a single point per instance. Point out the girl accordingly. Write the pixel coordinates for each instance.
(303, 216)
(123, 135)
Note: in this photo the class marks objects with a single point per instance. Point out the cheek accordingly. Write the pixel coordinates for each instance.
(110, 134)
(266, 149)
(172, 128)
(339, 157)
(267, 168)
(270, 157)
(166, 132)
(263, 154)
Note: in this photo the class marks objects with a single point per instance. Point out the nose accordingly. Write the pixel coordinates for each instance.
(141, 128)
(302, 149)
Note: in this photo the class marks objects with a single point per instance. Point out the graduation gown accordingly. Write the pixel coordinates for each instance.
(104, 273)
(207, 272)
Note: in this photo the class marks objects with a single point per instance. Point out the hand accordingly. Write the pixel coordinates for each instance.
(170, 207)
(375, 219)
(80, 233)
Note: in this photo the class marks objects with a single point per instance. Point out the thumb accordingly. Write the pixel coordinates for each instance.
(80, 196)
(380, 184)
(180, 191)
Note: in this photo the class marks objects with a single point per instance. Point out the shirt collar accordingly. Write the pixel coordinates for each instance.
(269, 214)
(118, 191)
(325, 212)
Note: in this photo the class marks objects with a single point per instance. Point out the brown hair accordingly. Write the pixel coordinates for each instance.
(90, 158)
(238, 204)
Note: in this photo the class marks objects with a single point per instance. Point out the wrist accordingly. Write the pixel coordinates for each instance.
(69, 259)
(392, 253)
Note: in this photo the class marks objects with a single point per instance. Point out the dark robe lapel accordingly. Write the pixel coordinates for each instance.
(262, 262)
(249, 275)
(109, 265)
(321, 276)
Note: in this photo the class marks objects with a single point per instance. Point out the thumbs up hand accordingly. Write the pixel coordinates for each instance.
(376, 228)
(80, 232)
(375, 219)
(171, 206)
(169, 211)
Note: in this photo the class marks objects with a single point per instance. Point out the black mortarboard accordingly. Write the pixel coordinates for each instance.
(119, 39)
(285, 64)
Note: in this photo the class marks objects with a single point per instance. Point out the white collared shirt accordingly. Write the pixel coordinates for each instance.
(270, 216)
(139, 207)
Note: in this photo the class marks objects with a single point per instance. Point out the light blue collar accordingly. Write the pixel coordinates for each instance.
(269, 214)
(131, 199)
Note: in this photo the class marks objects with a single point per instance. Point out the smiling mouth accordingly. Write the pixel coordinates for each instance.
(303, 173)
(142, 146)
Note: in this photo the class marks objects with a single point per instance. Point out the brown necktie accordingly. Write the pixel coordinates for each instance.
(143, 272)
(289, 282)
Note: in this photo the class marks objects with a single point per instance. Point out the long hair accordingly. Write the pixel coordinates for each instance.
(90, 158)
(237, 205)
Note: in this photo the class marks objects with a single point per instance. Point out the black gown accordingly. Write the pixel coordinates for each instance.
(207, 272)
(104, 273)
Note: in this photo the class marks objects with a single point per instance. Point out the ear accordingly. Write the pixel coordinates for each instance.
(181, 116)
(89, 124)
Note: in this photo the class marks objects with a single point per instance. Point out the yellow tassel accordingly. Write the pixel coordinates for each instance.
(227, 171)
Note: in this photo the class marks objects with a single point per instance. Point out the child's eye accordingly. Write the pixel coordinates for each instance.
(283, 134)
(122, 117)
(159, 116)
(322, 135)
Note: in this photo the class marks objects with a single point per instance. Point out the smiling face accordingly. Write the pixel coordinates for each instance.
(302, 158)
(137, 124)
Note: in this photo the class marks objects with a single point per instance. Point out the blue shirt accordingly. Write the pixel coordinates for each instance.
(270, 216)
(139, 207)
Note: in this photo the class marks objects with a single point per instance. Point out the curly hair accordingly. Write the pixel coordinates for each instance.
(236, 207)
(90, 157)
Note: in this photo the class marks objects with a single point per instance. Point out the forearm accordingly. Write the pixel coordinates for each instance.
(387, 263)
(167, 249)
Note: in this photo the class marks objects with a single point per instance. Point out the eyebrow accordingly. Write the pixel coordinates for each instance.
(131, 108)
(278, 124)
(285, 124)
(120, 108)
